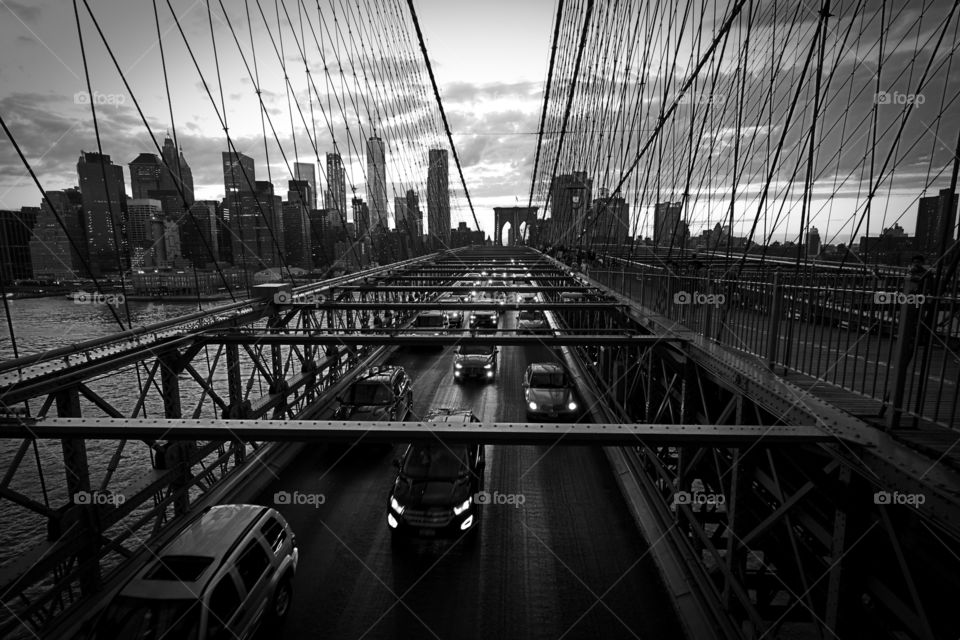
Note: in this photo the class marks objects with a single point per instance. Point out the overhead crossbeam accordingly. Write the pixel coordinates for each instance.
(410, 339)
(465, 306)
(379, 432)
(391, 288)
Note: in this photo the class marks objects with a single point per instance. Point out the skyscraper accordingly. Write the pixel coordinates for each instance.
(296, 225)
(361, 217)
(51, 252)
(176, 173)
(145, 172)
(438, 196)
(377, 183)
(16, 229)
(238, 173)
(813, 242)
(935, 223)
(306, 172)
(200, 234)
(336, 196)
(300, 191)
(400, 214)
(608, 220)
(296, 235)
(667, 229)
(142, 212)
(104, 198)
(258, 241)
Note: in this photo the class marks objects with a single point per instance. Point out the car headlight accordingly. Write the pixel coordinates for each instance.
(489, 365)
(396, 506)
(572, 406)
(462, 507)
(532, 405)
(457, 366)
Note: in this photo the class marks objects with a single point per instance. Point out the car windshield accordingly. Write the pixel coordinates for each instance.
(542, 380)
(475, 350)
(530, 315)
(367, 393)
(147, 619)
(430, 321)
(435, 462)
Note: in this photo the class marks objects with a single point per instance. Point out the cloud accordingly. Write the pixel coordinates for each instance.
(471, 93)
(27, 13)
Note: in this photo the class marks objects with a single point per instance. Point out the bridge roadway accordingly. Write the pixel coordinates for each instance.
(569, 563)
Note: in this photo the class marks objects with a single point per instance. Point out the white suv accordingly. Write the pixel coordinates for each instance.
(220, 577)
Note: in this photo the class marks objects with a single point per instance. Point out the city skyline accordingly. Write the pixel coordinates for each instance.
(493, 103)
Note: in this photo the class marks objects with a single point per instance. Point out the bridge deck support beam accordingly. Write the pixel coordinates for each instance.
(80, 505)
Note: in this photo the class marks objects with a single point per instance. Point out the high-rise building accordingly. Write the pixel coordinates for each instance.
(225, 233)
(169, 180)
(105, 206)
(438, 196)
(336, 197)
(813, 242)
(361, 217)
(570, 197)
(296, 235)
(238, 173)
(377, 183)
(608, 220)
(300, 191)
(400, 215)
(176, 173)
(171, 244)
(52, 254)
(16, 229)
(145, 172)
(141, 214)
(200, 234)
(936, 222)
(323, 236)
(306, 172)
(258, 241)
(414, 215)
(668, 230)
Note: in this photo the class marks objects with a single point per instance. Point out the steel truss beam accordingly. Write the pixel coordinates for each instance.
(408, 340)
(627, 434)
(463, 306)
(377, 288)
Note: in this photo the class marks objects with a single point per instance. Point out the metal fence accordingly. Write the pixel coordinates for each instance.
(888, 338)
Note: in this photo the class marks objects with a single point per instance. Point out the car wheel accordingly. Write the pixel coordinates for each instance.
(282, 598)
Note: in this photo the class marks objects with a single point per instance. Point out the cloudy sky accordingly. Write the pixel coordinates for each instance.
(490, 76)
(490, 60)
